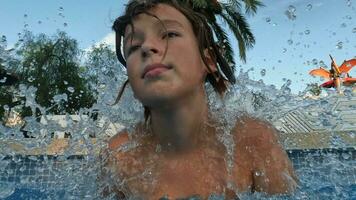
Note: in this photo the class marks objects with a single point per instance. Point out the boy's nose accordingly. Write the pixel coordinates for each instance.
(151, 47)
(148, 51)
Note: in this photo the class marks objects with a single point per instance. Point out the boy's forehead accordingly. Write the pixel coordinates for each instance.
(166, 15)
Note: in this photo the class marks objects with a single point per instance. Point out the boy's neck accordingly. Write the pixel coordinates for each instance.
(179, 127)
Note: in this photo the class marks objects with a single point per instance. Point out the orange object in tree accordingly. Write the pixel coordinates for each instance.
(336, 76)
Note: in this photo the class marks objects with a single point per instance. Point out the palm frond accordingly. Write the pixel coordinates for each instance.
(251, 6)
(236, 4)
(224, 43)
(237, 34)
(241, 24)
(200, 4)
(232, 14)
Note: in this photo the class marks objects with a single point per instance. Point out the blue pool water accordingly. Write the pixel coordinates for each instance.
(324, 174)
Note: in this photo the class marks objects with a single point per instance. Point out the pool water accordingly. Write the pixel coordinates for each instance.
(323, 174)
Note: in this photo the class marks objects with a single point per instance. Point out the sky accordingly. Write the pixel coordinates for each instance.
(287, 46)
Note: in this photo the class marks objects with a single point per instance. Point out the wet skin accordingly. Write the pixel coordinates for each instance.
(259, 164)
(180, 155)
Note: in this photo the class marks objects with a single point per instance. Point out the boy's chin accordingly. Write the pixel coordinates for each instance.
(159, 100)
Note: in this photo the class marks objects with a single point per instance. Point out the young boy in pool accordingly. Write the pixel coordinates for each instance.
(169, 53)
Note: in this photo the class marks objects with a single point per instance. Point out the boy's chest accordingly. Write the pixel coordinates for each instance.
(201, 172)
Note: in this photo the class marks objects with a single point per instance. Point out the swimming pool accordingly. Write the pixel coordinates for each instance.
(322, 153)
(320, 136)
(321, 148)
(323, 174)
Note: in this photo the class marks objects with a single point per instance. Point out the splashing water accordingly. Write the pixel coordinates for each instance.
(322, 174)
(339, 45)
(291, 12)
(309, 7)
(253, 97)
(6, 190)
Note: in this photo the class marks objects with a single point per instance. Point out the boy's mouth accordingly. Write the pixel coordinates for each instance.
(155, 69)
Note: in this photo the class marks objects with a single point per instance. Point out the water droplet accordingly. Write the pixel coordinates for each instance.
(268, 19)
(25, 15)
(322, 64)
(348, 17)
(309, 7)
(60, 97)
(263, 72)
(307, 32)
(158, 148)
(102, 86)
(352, 134)
(311, 164)
(290, 42)
(25, 25)
(315, 61)
(60, 8)
(65, 24)
(274, 24)
(279, 61)
(258, 173)
(343, 25)
(349, 3)
(291, 12)
(3, 80)
(346, 156)
(65, 82)
(339, 45)
(30, 79)
(39, 22)
(354, 30)
(3, 38)
(291, 8)
(34, 158)
(70, 89)
(23, 168)
(284, 50)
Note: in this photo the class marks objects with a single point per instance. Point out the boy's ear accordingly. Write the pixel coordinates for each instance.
(210, 61)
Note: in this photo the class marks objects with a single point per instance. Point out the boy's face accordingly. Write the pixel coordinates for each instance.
(163, 59)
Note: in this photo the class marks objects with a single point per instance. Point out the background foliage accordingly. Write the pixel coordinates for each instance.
(65, 76)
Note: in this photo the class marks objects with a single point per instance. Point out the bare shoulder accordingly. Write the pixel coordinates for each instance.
(255, 132)
(109, 164)
(117, 140)
(269, 163)
(109, 153)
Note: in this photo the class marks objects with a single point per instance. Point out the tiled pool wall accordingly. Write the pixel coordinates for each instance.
(326, 174)
(57, 177)
(48, 177)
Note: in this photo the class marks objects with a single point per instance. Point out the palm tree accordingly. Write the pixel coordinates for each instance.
(231, 12)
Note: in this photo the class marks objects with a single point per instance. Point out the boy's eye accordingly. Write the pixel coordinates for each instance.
(170, 35)
(133, 49)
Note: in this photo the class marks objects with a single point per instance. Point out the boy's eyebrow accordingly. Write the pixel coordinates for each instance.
(169, 22)
(165, 22)
(130, 35)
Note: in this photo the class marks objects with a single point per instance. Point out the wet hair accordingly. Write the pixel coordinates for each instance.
(203, 32)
